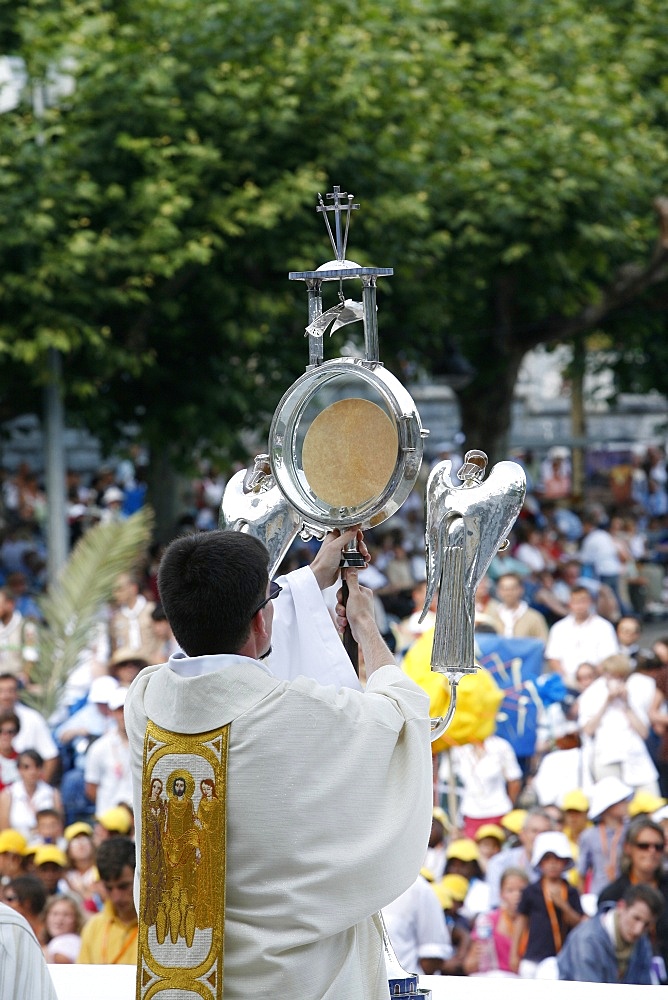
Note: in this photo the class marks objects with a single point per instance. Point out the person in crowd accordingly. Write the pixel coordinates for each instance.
(50, 828)
(601, 844)
(23, 970)
(165, 643)
(503, 919)
(13, 848)
(657, 479)
(533, 549)
(125, 664)
(548, 909)
(50, 867)
(486, 606)
(575, 807)
(409, 629)
(631, 549)
(463, 858)
(215, 589)
(555, 475)
(600, 553)
(614, 713)
(645, 804)
(628, 631)
(491, 779)
(614, 946)
(92, 719)
(107, 772)
(27, 896)
(76, 735)
(131, 625)
(490, 838)
(435, 859)
(581, 636)
(417, 930)
(34, 733)
(9, 728)
(19, 645)
(535, 821)
(451, 892)
(515, 618)
(569, 575)
(24, 798)
(512, 824)
(82, 876)
(110, 937)
(63, 922)
(111, 506)
(114, 822)
(642, 864)
(658, 714)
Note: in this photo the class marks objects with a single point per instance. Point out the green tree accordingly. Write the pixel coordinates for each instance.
(506, 156)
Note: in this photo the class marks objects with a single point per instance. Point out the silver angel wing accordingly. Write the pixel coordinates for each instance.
(254, 504)
(466, 525)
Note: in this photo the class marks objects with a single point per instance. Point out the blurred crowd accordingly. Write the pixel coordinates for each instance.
(543, 863)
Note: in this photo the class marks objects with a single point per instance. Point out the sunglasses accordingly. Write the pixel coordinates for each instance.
(647, 845)
(274, 591)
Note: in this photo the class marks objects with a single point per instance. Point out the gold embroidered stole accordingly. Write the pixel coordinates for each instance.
(182, 890)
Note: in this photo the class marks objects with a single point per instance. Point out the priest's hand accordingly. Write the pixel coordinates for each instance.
(358, 612)
(326, 565)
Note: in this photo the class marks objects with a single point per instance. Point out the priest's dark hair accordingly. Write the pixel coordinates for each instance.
(210, 584)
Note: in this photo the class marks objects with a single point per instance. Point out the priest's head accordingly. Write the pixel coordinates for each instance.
(215, 589)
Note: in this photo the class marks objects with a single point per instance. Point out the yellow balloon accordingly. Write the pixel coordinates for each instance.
(478, 697)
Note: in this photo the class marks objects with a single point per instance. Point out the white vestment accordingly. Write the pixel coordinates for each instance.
(329, 799)
(304, 641)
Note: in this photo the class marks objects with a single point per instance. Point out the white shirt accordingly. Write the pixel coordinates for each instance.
(615, 740)
(510, 616)
(107, 765)
(484, 776)
(34, 733)
(573, 643)
(598, 549)
(416, 926)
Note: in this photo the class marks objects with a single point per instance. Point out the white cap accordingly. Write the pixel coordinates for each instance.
(117, 698)
(608, 792)
(552, 842)
(112, 495)
(102, 689)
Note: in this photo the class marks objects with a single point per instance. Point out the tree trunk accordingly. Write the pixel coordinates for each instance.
(486, 410)
(165, 494)
(578, 417)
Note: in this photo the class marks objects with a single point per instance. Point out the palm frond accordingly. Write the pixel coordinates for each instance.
(71, 606)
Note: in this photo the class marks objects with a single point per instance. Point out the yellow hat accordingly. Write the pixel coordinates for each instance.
(116, 820)
(78, 830)
(46, 853)
(12, 842)
(456, 885)
(490, 830)
(514, 820)
(645, 802)
(463, 849)
(575, 801)
(442, 894)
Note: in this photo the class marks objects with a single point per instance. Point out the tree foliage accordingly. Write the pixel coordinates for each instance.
(506, 156)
